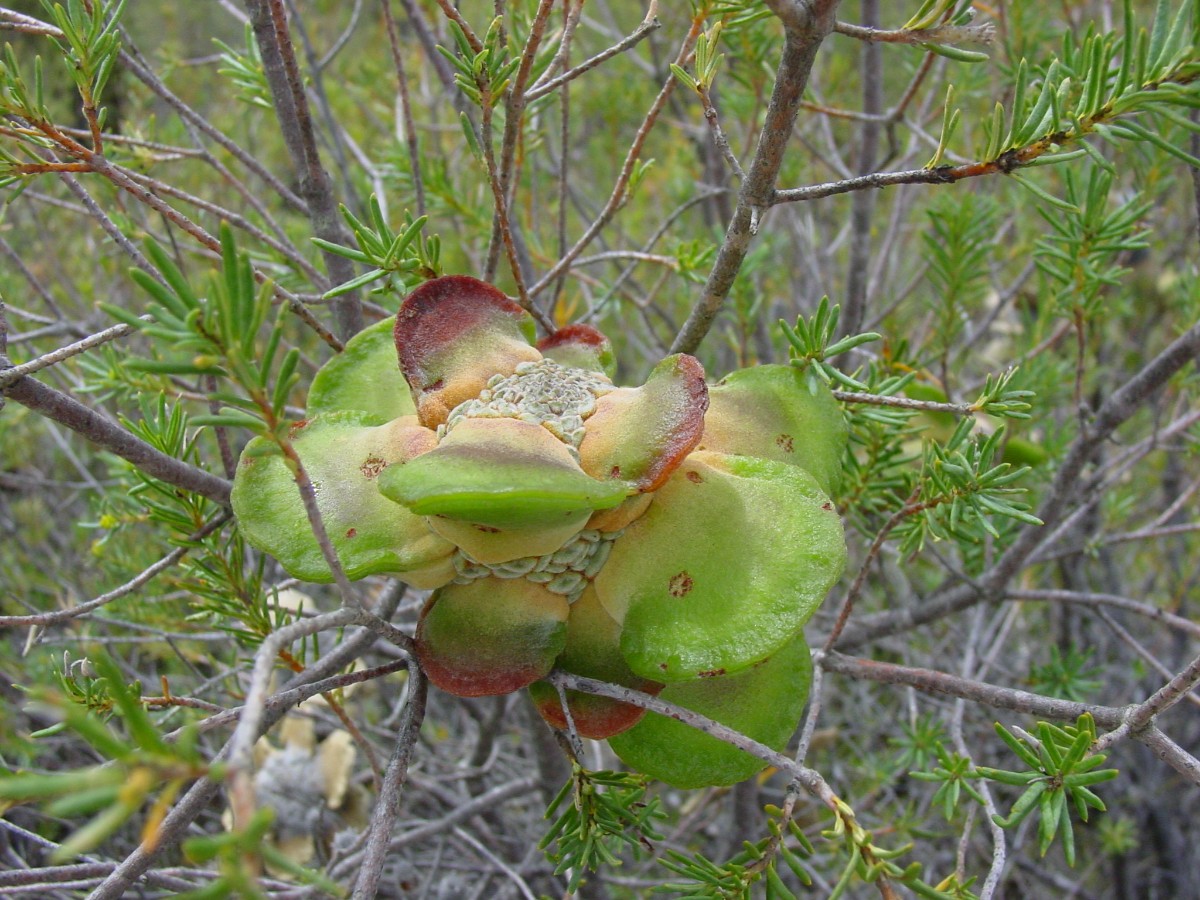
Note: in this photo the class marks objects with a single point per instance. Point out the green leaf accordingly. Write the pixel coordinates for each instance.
(740, 606)
(1042, 194)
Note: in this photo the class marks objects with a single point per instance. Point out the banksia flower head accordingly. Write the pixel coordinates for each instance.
(673, 537)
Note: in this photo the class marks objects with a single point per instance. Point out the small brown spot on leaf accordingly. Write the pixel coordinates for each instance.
(826, 505)
(680, 585)
(351, 532)
(785, 443)
(372, 466)
(663, 666)
(694, 477)
(614, 472)
(486, 529)
(297, 428)
(710, 673)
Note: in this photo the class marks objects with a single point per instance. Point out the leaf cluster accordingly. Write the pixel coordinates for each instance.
(606, 811)
(961, 488)
(812, 344)
(943, 14)
(1080, 252)
(951, 774)
(142, 766)
(1094, 87)
(1066, 675)
(400, 259)
(1058, 776)
(482, 76)
(245, 69)
(218, 335)
(756, 863)
(707, 61)
(874, 864)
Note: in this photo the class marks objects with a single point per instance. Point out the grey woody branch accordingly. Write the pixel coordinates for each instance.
(67, 411)
(806, 25)
(388, 809)
(1124, 722)
(269, 23)
(942, 34)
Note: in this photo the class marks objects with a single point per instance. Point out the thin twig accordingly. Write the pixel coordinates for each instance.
(500, 174)
(806, 27)
(620, 190)
(62, 615)
(1141, 715)
(542, 87)
(910, 508)
(718, 135)
(269, 23)
(60, 408)
(1095, 598)
(250, 724)
(940, 34)
(12, 373)
(387, 810)
(461, 812)
(862, 205)
(958, 409)
(133, 63)
(406, 116)
(930, 681)
(1137, 647)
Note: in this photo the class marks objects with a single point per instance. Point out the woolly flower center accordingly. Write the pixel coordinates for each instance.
(559, 398)
(566, 571)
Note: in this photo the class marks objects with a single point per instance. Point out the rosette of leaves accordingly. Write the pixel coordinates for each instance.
(673, 537)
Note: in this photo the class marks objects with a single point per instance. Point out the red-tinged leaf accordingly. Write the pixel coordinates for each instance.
(491, 636)
(454, 333)
(641, 435)
(593, 650)
(580, 346)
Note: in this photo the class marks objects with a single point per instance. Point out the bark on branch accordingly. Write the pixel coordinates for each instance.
(806, 25)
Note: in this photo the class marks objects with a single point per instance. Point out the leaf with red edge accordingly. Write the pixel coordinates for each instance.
(593, 650)
(454, 333)
(491, 636)
(641, 435)
(582, 347)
